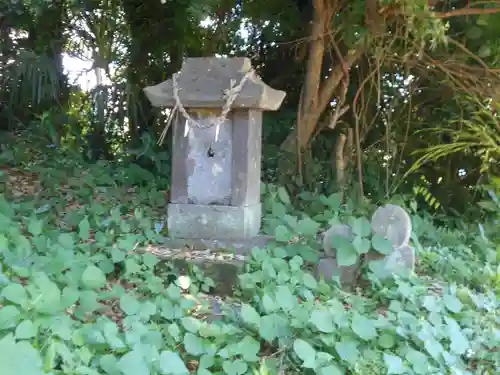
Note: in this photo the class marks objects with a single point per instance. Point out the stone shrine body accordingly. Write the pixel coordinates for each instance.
(216, 166)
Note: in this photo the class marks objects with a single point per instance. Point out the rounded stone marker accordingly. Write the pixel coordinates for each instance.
(394, 223)
(341, 230)
(402, 258)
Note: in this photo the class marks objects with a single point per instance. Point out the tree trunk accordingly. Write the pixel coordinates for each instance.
(313, 115)
(317, 93)
(343, 154)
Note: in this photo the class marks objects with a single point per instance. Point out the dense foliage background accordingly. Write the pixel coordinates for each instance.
(390, 100)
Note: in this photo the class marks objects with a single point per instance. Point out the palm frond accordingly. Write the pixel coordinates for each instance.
(32, 79)
(479, 136)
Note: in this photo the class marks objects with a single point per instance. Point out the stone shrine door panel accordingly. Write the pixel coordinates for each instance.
(209, 158)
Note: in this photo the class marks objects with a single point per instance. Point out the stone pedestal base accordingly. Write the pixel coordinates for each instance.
(211, 222)
(240, 248)
(221, 260)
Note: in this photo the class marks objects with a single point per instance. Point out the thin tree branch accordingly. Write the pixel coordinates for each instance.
(466, 12)
(327, 89)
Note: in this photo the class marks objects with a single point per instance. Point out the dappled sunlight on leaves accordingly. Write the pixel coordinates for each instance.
(82, 289)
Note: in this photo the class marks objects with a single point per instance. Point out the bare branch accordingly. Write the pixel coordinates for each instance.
(466, 12)
(326, 91)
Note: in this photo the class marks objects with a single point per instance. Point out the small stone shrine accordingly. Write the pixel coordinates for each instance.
(216, 167)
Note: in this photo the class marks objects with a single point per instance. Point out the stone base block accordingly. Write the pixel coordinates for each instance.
(221, 260)
(202, 221)
(219, 245)
(328, 268)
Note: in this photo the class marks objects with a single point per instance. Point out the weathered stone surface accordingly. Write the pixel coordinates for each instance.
(393, 223)
(213, 221)
(228, 179)
(401, 260)
(228, 248)
(327, 268)
(247, 154)
(203, 81)
(200, 178)
(342, 230)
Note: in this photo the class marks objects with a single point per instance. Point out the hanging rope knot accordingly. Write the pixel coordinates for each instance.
(232, 91)
(229, 96)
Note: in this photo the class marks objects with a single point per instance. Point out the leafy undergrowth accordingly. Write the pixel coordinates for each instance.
(76, 298)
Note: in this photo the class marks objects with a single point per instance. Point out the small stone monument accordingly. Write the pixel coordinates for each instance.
(216, 166)
(393, 223)
(389, 221)
(328, 267)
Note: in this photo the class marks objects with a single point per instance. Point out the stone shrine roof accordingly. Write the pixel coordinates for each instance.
(202, 83)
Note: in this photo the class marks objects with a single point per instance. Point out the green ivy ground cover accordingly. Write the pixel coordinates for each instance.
(75, 298)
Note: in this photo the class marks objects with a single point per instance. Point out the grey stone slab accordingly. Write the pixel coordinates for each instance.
(202, 83)
(230, 175)
(210, 163)
(180, 166)
(247, 145)
(214, 221)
